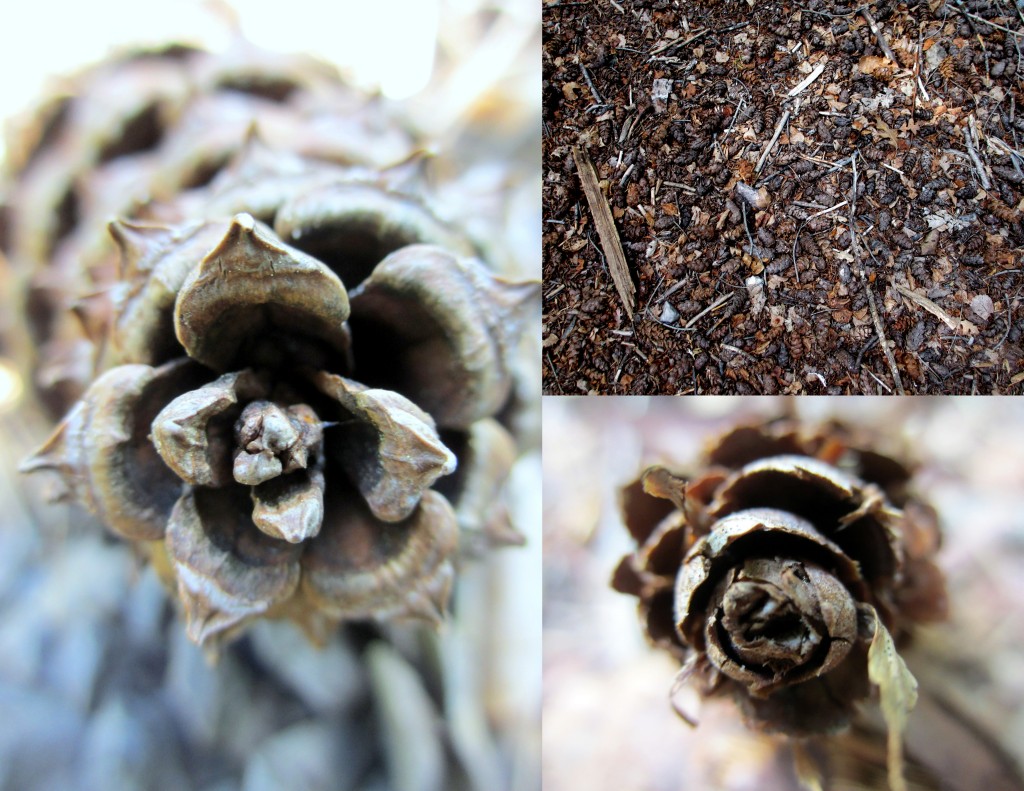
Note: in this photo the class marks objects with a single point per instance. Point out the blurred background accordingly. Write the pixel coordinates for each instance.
(608, 723)
(99, 687)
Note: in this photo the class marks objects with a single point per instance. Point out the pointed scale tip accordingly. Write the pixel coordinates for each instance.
(423, 607)
(502, 533)
(137, 241)
(93, 313)
(205, 625)
(244, 222)
(53, 455)
(413, 171)
(518, 294)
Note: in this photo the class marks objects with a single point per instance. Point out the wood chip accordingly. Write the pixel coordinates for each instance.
(606, 231)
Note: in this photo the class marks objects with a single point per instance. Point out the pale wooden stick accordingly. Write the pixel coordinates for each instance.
(801, 86)
(717, 303)
(876, 318)
(606, 231)
(771, 143)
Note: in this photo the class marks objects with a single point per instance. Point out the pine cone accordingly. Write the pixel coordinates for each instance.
(289, 352)
(763, 573)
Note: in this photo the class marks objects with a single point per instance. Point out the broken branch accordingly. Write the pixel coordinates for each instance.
(879, 37)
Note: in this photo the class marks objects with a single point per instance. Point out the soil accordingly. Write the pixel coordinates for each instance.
(879, 248)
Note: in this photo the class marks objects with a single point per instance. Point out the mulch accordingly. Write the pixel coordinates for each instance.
(811, 198)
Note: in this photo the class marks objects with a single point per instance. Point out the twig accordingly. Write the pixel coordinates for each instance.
(984, 21)
(554, 371)
(771, 143)
(681, 42)
(695, 37)
(590, 84)
(606, 230)
(879, 36)
(673, 327)
(626, 126)
(875, 317)
(654, 294)
(739, 351)
(978, 165)
(883, 384)
(796, 239)
(801, 86)
(746, 227)
(1000, 145)
(716, 304)
(673, 289)
(957, 325)
(1009, 323)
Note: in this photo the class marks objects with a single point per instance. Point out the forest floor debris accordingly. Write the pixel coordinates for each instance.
(785, 100)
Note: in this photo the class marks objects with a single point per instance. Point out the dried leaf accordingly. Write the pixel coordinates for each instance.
(962, 325)
(872, 64)
(898, 690)
(808, 772)
(983, 306)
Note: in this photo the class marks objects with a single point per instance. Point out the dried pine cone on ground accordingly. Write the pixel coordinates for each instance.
(778, 572)
(291, 382)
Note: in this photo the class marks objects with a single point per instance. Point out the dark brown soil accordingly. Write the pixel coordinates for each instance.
(927, 153)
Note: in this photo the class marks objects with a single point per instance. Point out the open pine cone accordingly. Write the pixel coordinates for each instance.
(764, 572)
(288, 351)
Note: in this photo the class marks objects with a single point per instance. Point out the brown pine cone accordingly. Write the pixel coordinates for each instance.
(289, 352)
(763, 572)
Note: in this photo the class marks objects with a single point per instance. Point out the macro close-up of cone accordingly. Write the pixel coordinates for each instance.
(826, 591)
(770, 573)
(214, 351)
(289, 381)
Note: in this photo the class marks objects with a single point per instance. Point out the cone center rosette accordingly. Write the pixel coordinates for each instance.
(775, 620)
(767, 573)
(237, 441)
(272, 440)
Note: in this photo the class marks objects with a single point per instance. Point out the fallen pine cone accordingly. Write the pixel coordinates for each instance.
(286, 384)
(780, 572)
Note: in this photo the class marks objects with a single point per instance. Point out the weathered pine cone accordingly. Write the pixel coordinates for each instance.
(761, 571)
(286, 385)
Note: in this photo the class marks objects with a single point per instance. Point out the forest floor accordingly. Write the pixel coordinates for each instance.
(814, 197)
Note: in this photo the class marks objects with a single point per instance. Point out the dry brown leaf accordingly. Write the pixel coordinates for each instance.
(898, 690)
(870, 64)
